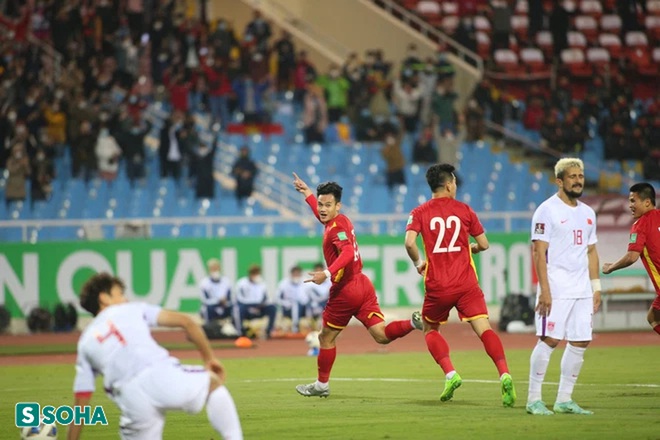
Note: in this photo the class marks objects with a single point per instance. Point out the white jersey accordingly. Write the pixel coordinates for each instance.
(290, 293)
(568, 231)
(215, 291)
(118, 345)
(248, 292)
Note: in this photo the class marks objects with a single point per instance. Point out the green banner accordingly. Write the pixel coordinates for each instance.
(167, 272)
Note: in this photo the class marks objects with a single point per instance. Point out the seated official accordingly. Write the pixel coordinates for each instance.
(216, 297)
(292, 297)
(252, 300)
(317, 295)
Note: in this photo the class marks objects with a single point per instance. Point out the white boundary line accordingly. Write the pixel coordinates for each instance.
(404, 380)
(399, 380)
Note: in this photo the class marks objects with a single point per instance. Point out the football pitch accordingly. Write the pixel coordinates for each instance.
(389, 396)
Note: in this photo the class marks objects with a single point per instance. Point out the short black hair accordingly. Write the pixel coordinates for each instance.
(645, 191)
(100, 283)
(330, 188)
(439, 174)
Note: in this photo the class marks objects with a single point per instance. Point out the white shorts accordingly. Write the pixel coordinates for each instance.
(570, 319)
(144, 400)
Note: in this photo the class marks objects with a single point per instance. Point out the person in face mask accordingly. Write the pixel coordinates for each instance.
(252, 302)
(292, 297)
(216, 296)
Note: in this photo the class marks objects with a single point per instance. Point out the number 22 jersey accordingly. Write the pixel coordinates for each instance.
(446, 225)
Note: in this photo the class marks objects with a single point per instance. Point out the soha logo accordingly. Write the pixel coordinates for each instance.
(30, 414)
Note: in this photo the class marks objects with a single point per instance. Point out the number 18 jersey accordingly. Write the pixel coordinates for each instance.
(446, 225)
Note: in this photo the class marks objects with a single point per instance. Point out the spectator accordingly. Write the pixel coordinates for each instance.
(474, 122)
(424, 150)
(315, 115)
(133, 147)
(250, 97)
(286, 61)
(252, 301)
(259, 29)
(304, 73)
(407, 97)
(292, 297)
(42, 176)
(189, 142)
(244, 171)
(562, 96)
(107, 155)
(442, 106)
(205, 161)
(223, 39)
(219, 91)
(336, 89)
(170, 149)
(466, 35)
(536, 17)
(501, 18)
(395, 162)
(534, 114)
(18, 168)
(56, 125)
(559, 25)
(83, 152)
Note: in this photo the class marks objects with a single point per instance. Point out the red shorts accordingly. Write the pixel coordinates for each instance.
(470, 305)
(355, 298)
(656, 302)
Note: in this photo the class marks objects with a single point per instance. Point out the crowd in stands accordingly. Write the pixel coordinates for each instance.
(119, 57)
(614, 99)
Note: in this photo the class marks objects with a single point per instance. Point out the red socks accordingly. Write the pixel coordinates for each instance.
(398, 329)
(324, 361)
(657, 329)
(493, 346)
(439, 350)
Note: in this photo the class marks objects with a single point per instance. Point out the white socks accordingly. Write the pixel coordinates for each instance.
(222, 414)
(321, 385)
(571, 363)
(538, 365)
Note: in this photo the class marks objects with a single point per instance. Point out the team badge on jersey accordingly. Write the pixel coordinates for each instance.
(590, 222)
(633, 237)
(342, 235)
(539, 228)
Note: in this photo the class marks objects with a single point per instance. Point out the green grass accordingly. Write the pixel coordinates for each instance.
(366, 405)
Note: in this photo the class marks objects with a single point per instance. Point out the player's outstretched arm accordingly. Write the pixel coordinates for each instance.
(626, 260)
(168, 318)
(301, 186)
(74, 430)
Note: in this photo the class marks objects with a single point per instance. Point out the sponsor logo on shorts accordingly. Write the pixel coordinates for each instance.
(551, 326)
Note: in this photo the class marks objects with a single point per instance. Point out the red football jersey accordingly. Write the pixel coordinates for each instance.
(645, 239)
(446, 225)
(340, 248)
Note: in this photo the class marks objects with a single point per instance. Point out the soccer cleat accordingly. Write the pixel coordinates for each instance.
(571, 407)
(537, 408)
(508, 390)
(310, 390)
(416, 320)
(450, 386)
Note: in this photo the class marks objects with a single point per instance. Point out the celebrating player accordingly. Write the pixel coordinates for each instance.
(352, 293)
(139, 375)
(644, 239)
(566, 262)
(450, 280)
